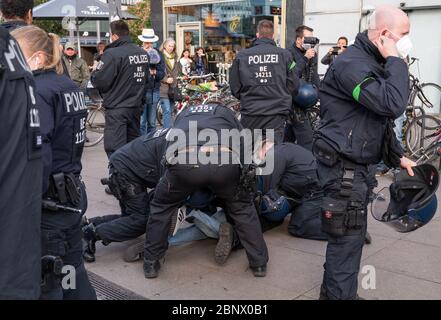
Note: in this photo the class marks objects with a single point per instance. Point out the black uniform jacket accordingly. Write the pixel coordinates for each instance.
(361, 90)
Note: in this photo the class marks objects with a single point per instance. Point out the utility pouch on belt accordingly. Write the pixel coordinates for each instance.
(325, 153)
(334, 216)
(60, 186)
(73, 188)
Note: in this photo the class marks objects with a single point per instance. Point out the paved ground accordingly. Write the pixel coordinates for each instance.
(407, 265)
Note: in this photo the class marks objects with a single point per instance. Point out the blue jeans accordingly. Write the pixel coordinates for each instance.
(148, 117)
(204, 227)
(167, 108)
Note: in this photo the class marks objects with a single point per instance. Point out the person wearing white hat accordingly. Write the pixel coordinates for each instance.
(155, 75)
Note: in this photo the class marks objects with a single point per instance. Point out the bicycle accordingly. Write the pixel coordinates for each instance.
(422, 95)
(191, 95)
(95, 121)
(432, 151)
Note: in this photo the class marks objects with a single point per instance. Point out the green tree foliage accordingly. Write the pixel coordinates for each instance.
(142, 11)
(49, 25)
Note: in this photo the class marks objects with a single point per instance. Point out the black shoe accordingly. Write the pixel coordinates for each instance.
(108, 191)
(259, 272)
(224, 244)
(151, 268)
(90, 238)
(367, 238)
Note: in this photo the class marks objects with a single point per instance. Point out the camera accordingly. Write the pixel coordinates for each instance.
(337, 49)
(310, 42)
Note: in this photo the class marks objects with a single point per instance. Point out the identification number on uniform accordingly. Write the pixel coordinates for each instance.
(201, 109)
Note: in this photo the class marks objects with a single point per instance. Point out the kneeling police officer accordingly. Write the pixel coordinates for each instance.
(133, 169)
(183, 176)
(63, 115)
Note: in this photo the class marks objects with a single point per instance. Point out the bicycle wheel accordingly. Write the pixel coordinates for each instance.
(431, 154)
(420, 133)
(428, 98)
(95, 123)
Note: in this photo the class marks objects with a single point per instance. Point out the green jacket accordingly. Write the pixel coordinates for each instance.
(78, 71)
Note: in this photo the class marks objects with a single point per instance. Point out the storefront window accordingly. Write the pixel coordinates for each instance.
(222, 29)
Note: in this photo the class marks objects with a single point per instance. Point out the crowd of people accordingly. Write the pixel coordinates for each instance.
(324, 179)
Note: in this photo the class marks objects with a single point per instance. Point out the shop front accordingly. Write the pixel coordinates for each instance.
(221, 28)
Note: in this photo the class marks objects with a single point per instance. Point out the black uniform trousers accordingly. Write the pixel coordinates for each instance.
(129, 225)
(122, 126)
(179, 182)
(343, 254)
(299, 130)
(61, 237)
(276, 123)
(306, 218)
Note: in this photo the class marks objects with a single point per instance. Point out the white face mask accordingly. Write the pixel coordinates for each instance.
(33, 66)
(404, 46)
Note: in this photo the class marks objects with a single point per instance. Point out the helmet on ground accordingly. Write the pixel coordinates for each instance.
(410, 202)
(274, 207)
(307, 96)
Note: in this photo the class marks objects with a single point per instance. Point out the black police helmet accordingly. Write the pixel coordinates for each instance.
(410, 202)
(307, 96)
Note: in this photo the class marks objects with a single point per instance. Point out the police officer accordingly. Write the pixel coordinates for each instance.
(299, 128)
(133, 169)
(362, 90)
(21, 174)
(121, 77)
(263, 79)
(16, 13)
(221, 172)
(63, 115)
(294, 179)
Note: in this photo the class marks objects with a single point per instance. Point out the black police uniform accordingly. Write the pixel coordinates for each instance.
(120, 77)
(14, 24)
(135, 167)
(181, 180)
(263, 79)
(299, 128)
(63, 118)
(21, 176)
(295, 175)
(361, 90)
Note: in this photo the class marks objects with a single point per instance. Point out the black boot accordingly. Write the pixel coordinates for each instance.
(259, 272)
(90, 237)
(224, 244)
(151, 268)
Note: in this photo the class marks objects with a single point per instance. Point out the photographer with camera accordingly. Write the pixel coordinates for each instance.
(334, 52)
(298, 128)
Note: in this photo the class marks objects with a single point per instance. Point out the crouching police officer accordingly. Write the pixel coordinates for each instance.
(133, 169)
(211, 164)
(63, 115)
(21, 175)
(365, 88)
(120, 77)
(263, 79)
